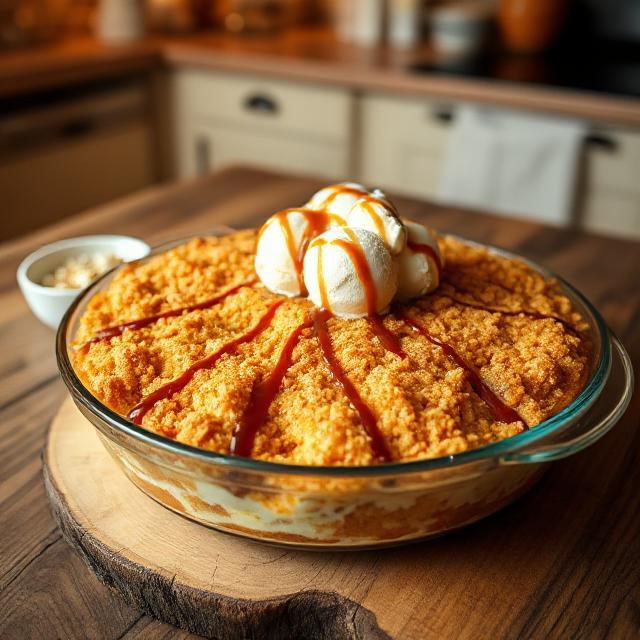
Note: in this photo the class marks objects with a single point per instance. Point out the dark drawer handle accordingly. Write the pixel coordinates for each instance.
(261, 104)
(602, 142)
(442, 114)
(76, 128)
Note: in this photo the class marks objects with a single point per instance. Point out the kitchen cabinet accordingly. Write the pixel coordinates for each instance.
(611, 192)
(224, 119)
(61, 154)
(397, 142)
(404, 143)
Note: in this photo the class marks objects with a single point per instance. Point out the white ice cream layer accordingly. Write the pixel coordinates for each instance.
(417, 273)
(346, 294)
(274, 263)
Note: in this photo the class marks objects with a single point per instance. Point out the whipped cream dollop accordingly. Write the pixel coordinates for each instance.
(349, 251)
(349, 272)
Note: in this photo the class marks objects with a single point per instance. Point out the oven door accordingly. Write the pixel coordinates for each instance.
(58, 159)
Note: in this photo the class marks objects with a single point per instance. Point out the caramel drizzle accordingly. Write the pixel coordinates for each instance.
(367, 205)
(499, 410)
(368, 420)
(262, 396)
(366, 200)
(389, 340)
(317, 222)
(119, 329)
(342, 189)
(165, 391)
(356, 254)
(322, 285)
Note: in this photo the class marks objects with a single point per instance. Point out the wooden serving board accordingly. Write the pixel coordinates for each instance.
(220, 586)
(196, 578)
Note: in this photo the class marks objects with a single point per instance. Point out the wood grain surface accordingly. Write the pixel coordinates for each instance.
(221, 586)
(562, 562)
(310, 54)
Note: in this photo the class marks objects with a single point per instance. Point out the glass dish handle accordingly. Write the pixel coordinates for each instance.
(607, 410)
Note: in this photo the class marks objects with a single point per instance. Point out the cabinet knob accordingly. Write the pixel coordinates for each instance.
(261, 103)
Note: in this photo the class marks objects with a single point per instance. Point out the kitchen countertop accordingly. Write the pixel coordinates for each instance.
(304, 54)
(564, 561)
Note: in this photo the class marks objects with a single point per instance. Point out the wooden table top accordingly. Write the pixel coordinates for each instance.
(572, 544)
(305, 54)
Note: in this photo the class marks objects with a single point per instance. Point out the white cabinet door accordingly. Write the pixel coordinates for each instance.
(403, 143)
(612, 181)
(212, 147)
(229, 119)
(611, 212)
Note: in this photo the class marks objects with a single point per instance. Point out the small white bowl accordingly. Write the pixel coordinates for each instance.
(49, 304)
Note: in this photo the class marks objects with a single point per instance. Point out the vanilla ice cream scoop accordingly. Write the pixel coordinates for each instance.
(350, 272)
(338, 198)
(419, 264)
(282, 242)
(375, 213)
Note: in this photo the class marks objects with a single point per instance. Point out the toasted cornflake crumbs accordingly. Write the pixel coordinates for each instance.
(424, 404)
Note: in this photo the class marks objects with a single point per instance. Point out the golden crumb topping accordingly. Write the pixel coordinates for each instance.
(194, 375)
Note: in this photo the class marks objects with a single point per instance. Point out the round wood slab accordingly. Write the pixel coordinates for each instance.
(178, 571)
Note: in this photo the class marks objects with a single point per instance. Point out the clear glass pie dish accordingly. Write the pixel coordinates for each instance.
(354, 507)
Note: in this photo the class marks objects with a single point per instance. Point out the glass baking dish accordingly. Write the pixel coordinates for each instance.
(354, 507)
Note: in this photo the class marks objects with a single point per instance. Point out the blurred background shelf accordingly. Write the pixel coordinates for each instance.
(299, 97)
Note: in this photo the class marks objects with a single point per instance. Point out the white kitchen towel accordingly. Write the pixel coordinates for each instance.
(512, 163)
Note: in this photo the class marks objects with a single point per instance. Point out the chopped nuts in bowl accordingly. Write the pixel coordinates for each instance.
(79, 272)
(51, 277)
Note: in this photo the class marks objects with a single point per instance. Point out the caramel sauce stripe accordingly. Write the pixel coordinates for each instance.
(134, 325)
(167, 390)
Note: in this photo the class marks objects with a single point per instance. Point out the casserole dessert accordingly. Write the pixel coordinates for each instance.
(338, 336)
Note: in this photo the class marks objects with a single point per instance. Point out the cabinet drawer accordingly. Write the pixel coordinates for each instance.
(612, 213)
(249, 101)
(404, 141)
(613, 160)
(209, 148)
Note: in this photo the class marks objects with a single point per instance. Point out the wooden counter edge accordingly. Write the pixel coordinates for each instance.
(87, 60)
